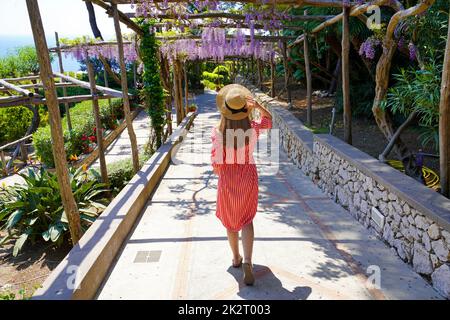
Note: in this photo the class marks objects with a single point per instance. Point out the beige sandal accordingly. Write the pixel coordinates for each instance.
(249, 279)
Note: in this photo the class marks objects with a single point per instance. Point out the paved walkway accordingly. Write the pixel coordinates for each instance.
(306, 246)
(121, 147)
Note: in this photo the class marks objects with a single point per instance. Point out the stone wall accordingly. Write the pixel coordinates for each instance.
(409, 217)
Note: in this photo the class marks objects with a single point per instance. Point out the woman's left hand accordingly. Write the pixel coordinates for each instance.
(251, 103)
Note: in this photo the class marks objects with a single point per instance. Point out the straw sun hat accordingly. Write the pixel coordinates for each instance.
(231, 101)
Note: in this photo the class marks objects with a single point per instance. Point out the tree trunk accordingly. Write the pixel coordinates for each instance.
(98, 34)
(382, 117)
(444, 121)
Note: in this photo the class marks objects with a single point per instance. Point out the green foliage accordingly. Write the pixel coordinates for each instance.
(152, 92)
(34, 210)
(362, 93)
(419, 91)
(22, 62)
(82, 125)
(14, 123)
(216, 79)
(121, 172)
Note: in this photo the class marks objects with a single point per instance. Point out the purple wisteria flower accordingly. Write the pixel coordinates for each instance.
(368, 47)
(412, 51)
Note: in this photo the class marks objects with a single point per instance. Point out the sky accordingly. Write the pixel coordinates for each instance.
(68, 17)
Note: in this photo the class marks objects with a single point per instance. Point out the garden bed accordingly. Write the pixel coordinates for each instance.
(21, 275)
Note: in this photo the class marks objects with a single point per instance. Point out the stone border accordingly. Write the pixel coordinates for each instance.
(81, 273)
(409, 217)
(429, 202)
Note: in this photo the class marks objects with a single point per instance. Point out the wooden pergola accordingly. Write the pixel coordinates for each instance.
(111, 7)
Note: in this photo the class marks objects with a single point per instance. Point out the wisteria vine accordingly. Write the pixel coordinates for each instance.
(215, 46)
(82, 51)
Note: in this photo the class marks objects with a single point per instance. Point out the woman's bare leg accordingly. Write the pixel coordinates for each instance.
(247, 242)
(233, 239)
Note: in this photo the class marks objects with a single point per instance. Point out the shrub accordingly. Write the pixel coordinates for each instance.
(14, 123)
(76, 141)
(121, 172)
(34, 210)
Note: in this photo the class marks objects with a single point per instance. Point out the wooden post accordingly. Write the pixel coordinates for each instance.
(287, 72)
(346, 76)
(105, 75)
(260, 77)
(180, 88)
(23, 152)
(4, 163)
(135, 74)
(444, 122)
(272, 77)
(59, 154)
(308, 78)
(126, 100)
(177, 90)
(186, 90)
(98, 123)
(61, 70)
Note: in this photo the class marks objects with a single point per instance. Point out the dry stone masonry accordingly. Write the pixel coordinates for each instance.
(412, 219)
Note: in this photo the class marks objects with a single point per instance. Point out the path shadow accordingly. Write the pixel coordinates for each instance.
(267, 286)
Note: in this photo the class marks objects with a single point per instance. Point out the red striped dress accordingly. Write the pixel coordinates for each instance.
(237, 192)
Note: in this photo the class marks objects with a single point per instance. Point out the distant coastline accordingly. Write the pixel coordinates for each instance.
(9, 43)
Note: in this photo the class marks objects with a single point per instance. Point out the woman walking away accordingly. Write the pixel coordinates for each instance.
(233, 142)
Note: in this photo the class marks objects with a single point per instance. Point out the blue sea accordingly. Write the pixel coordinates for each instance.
(9, 43)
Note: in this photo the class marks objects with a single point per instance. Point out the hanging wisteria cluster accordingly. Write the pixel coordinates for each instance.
(368, 48)
(270, 18)
(215, 46)
(83, 51)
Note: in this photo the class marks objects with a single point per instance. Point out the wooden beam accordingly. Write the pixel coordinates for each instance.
(95, 44)
(256, 37)
(59, 153)
(13, 143)
(61, 70)
(27, 78)
(346, 76)
(39, 86)
(124, 80)
(121, 16)
(98, 123)
(227, 15)
(16, 88)
(19, 101)
(224, 26)
(444, 122)
(355, 12)
(86, 85)
(314, 3)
